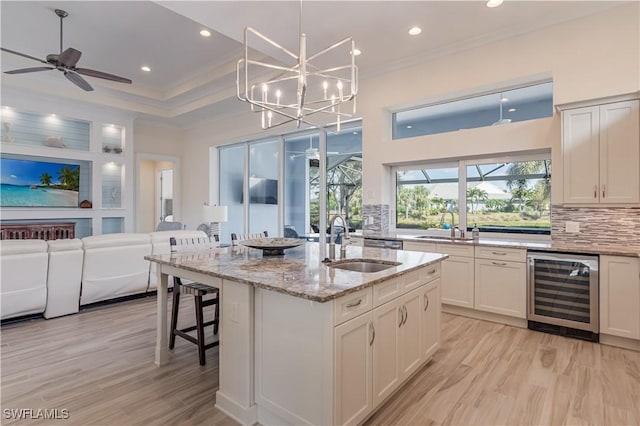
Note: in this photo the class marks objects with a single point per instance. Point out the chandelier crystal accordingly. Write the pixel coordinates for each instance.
(321, 83)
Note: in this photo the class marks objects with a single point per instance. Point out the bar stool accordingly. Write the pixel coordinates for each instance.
(198, 291)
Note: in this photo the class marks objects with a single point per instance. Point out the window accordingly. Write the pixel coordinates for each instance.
(510, 197)
(513, 195)
(502, 107)
(284, 191)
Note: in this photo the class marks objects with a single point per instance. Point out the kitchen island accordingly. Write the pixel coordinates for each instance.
(303, 342)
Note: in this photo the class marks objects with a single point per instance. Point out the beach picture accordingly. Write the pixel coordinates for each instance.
(26, 183)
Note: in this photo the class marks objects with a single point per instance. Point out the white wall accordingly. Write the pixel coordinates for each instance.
(589, 58)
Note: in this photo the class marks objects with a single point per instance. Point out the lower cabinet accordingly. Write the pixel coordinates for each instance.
(353, 364)
(501, 287)
(458, 279)
(379, 350)
(620, 296)
(430, 319)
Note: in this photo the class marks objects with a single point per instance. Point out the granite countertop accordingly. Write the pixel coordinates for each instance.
(577, 247)
(299, 272)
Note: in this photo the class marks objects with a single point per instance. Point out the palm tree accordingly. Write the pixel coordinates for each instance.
(476, 195)
(405, 196)
(45, 179)
(518, 186)
(70, 179)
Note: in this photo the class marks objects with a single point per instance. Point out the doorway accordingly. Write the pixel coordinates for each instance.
(157, 191)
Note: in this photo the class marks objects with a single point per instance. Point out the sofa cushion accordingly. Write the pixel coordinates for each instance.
(115, 240)
(23, 277)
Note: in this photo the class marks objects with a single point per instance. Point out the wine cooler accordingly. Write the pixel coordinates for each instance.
(563, 294)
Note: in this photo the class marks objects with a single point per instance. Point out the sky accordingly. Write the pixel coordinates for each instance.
(22, 172)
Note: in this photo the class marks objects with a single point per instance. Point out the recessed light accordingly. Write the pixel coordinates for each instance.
(494, 3)
(357, 52)
(415, 31)
(512, 110)
(503, 99)
(205, 33)
(53, 115)
(409, 126)
(145, 68)
(355, 133)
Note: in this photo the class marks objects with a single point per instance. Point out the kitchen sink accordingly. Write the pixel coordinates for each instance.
(363, 265)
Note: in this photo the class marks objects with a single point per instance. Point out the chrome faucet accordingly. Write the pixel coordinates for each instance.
(453, 220)
(332, 238)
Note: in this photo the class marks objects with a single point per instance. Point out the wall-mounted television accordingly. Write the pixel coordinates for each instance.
(27, 183)
(263, 191)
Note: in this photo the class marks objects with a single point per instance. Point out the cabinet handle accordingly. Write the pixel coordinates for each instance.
(401, 317)
(431, 272)
(406, 314)
(426, 301)
(603, 191)
(499, 263)
(499, 253)
(595, 191)
(373, 333)
(353, 305)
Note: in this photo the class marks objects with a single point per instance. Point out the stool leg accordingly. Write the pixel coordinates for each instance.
(174, 314)
(200, 328)
(216, 316)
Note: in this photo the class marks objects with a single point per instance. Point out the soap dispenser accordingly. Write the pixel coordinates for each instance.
(475, 232)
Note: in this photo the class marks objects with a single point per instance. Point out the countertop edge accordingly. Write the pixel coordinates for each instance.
(298, 294)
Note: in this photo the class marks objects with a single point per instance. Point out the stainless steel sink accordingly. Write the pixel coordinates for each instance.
(363, 265)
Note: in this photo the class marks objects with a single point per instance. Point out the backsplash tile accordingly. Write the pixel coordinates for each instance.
(603, 226)
(375, 218)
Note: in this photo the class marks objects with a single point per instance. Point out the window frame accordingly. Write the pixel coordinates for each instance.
(462, 165)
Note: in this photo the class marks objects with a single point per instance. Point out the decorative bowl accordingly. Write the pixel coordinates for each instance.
(272, 246)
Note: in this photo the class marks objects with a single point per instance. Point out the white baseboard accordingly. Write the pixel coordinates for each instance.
(243, 415)
(486, 316)
(621, 342)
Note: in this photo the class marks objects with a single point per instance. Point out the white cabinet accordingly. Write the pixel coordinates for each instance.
(352, 373)
(377, 351)
(430, 319)
(620, 296)
(409, 339)
(457, 275)
(501, 285)
(386, 377)
(601, 154)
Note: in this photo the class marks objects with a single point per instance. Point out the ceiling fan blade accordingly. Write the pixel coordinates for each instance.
(78, 81)
(104, 75)
(70, 57)
(23, 55)
(25, 70)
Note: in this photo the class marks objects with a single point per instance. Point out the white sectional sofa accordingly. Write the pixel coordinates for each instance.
(23, 277)
(64, 277)
(114, 266)
(56, 277)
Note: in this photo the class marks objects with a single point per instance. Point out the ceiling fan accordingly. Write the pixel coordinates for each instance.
(66, 61)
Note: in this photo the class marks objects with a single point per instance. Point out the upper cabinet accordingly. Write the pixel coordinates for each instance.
(601, 154)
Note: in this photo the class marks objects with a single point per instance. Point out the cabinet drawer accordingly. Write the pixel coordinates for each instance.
(419, 246)
(413, 279)
(455, 249)
(352, 305)
(386, 291)
(430, 273)
(499, 253)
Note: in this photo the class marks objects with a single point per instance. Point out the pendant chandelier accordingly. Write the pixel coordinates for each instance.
(320, 84)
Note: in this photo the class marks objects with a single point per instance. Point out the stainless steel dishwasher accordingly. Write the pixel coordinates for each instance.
(380, 243)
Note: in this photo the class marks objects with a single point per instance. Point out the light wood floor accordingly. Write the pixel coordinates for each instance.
(99, 365)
